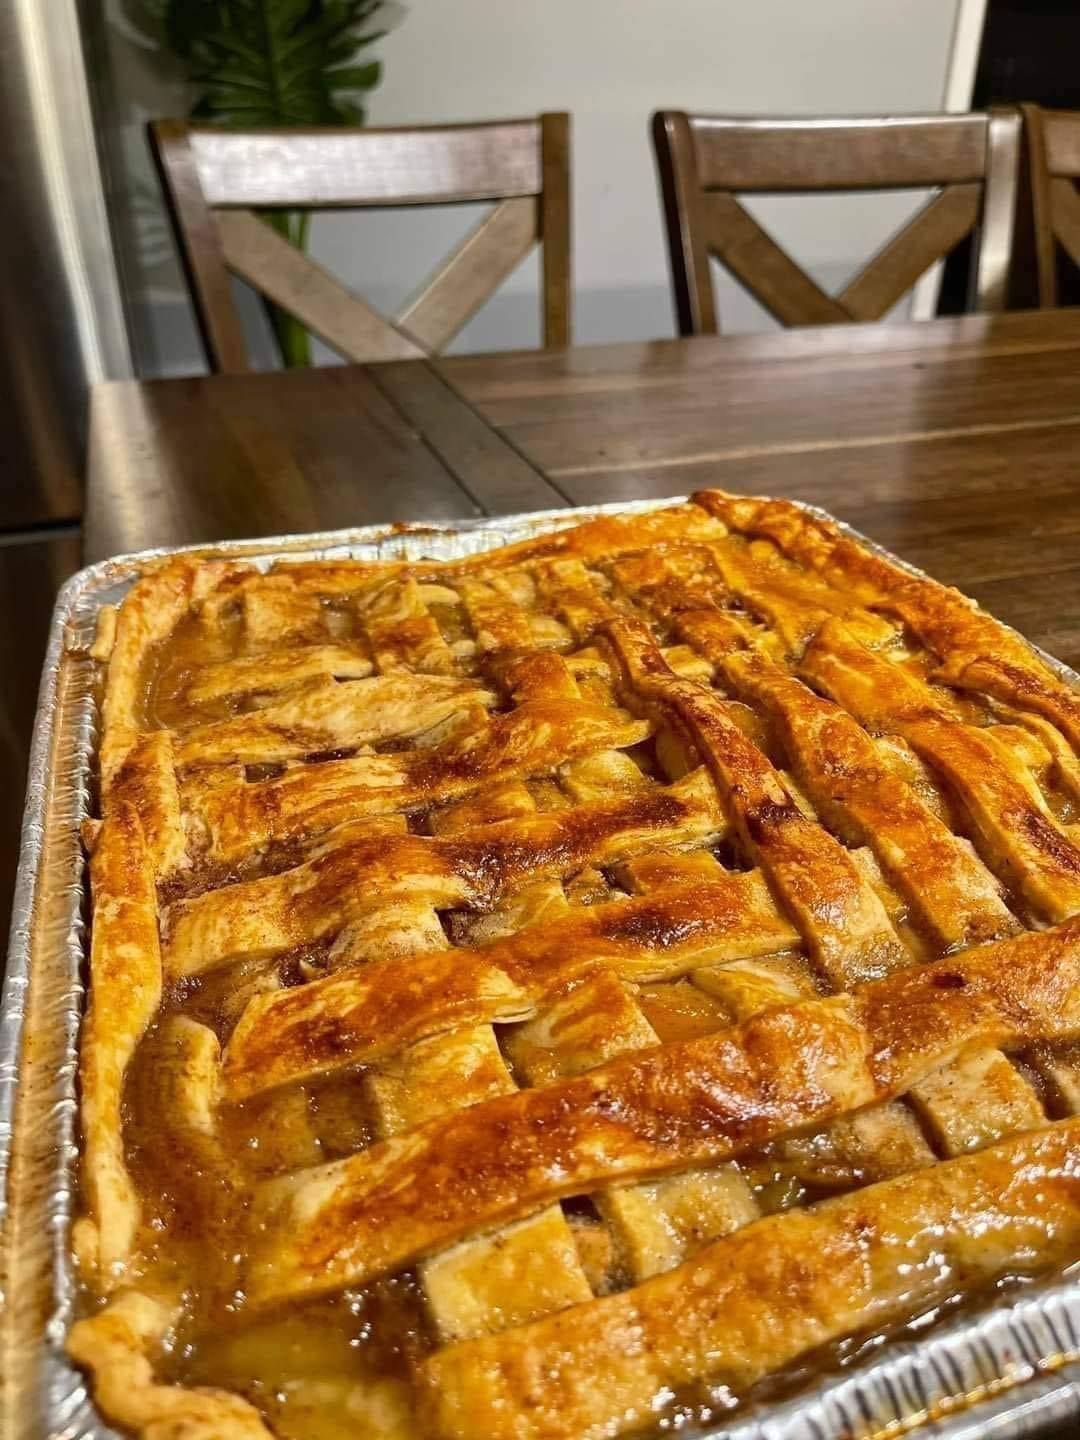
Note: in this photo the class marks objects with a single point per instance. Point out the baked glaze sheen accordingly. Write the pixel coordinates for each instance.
(567, 991)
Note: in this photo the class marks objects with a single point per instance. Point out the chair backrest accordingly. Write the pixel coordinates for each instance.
(215, 180)
(1053, 150)
(705, 160)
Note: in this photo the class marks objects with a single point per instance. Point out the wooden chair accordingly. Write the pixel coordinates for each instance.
(1053, 155)
(215, 180)
(703, 160)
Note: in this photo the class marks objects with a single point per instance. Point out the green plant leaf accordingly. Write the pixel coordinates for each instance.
(355, 77)
(274, 63)
(187, 22)
(217, 44)
(341, 52)
(284, 62)
(233, 75)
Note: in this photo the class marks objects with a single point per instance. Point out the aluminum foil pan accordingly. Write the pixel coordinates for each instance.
(1005, 1369)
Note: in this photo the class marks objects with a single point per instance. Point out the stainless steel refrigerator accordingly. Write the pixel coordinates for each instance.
(61, 329)
(61, 318)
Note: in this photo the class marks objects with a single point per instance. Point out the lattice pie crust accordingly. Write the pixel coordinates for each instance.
(542, 994)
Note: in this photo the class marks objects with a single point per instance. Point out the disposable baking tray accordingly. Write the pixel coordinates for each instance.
(1006, 1369)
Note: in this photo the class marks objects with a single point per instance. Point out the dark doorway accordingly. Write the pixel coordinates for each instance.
(1030, 51)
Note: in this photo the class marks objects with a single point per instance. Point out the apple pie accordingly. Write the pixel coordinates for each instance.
(547, 994)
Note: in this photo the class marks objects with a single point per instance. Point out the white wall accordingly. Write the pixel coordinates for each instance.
(611, 62)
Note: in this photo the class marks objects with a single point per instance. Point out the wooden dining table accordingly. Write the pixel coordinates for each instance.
(955, 442)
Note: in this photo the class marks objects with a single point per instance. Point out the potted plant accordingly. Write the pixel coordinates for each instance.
(255, 63)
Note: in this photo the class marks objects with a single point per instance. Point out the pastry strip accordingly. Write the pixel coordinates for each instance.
(125, 991)
(263, 674)
(766, 1295)
(840, 916)
(658, 1110)
(1018, 835)
(402, 631)
(325, 715)
(243, 819)
(836, 763)
(976, 650)
(271, 915)
(362, 1015)
(597, 539)
(151, 610)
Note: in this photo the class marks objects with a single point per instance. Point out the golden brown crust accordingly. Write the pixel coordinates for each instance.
(472, 868)
(947, 622)
(322, 716)
(866, 803)
(657, 1110)
(114, 1344)
(495, 963)
(125, 990)
(243, 818)
(363, 1014)
(766, 1295)
(152, 609)
(1020, 838)
(842, 919)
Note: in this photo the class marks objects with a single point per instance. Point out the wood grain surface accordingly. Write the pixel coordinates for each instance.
(1053, 153)
(177, 462)
(955, 443)
(214, 181)
(704, 160)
